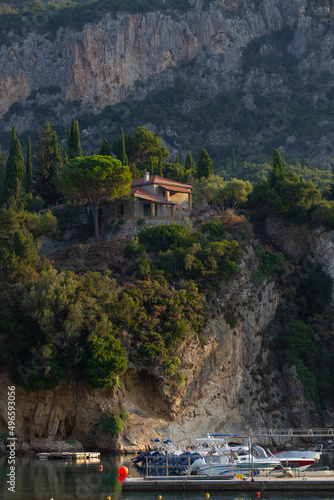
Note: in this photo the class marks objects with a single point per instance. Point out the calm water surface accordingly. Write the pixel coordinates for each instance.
(60, 480)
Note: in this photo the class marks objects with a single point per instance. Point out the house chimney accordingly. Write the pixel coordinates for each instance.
(146, 177)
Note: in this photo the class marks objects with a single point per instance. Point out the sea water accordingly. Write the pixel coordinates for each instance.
(66, 480)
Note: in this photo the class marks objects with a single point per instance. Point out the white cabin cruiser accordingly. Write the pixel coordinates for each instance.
(295, 459)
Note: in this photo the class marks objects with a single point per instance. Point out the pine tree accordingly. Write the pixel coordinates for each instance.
(105, 148)
(48, 162)
(124, 158)
(190, 164)
(73, 140)
(160, 168)
(29, 184)
(204, 165)
(15, 170)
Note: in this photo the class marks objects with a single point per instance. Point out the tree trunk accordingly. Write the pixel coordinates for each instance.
(95, 209)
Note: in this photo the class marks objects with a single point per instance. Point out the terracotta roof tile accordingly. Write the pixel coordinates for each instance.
(141, 193)
(156, 179)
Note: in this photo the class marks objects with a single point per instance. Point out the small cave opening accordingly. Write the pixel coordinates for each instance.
(144, 392)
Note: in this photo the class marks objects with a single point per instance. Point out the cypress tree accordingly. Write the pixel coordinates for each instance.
(29, 168)
(330, 192)
(151, 165)
(73, 140)
(47, 159)
(190, 164)
(278, 169)
(160, 169)
(233, 159)
(2, 172)
(105, 148)
(204, 165)
(15, 170)
(124, 158)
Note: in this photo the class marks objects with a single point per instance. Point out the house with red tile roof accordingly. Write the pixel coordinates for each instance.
(155, 197)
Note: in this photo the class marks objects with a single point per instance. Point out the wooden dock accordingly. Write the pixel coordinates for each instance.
(212, 483)
(68, 455)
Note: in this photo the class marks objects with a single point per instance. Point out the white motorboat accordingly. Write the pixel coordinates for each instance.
(231, 464)
(298, 460)
(295, 459)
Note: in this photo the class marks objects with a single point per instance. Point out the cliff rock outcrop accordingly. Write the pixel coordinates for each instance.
(303, 244)
(100, 64)
(224, 390)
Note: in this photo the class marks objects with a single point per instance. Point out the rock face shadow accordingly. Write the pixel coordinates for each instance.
(144, 394)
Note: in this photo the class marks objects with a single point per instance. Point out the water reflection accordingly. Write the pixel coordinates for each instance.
(70, 480)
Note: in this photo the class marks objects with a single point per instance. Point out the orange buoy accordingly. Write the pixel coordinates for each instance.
(100, 467)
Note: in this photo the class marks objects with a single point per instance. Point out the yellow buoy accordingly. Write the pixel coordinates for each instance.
(108, 498)
(207, 495)
(160, 497)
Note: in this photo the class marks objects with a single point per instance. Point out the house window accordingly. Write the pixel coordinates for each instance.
(164, 194)
(156, 210)
(120, 210)
(147, 210)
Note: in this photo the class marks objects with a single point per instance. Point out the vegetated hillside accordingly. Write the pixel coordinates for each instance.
(33, 6)
(193, 310)
(239, 79)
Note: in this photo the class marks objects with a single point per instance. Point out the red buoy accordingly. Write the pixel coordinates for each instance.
(258, 494)
(123, 471)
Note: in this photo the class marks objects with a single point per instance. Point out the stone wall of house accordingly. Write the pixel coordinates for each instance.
(182, 200)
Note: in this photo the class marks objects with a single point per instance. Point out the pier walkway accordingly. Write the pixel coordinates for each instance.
(212, 483)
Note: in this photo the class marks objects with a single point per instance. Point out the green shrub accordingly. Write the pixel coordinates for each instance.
(272, 265)
(112, 424)
(166, 237)
(134, 249)
(171, 366)
(71, 441)
(215, 229)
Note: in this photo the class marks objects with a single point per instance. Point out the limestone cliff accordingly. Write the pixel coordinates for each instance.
(51, 76)
(303, 244)
(100, 64)
(230, 385)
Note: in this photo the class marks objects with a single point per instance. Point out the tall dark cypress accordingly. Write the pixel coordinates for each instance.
(105, 148)
(15, 170)
(278, 169)
(160, 168)
(151, 165)
(29, 184)
(190, 164)
(204, 165)
(73, 140)
(2, 172)
(47, 159)
(124, 158)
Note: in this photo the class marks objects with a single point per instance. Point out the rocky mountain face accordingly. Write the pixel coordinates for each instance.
(209, 50)
(230, 385)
